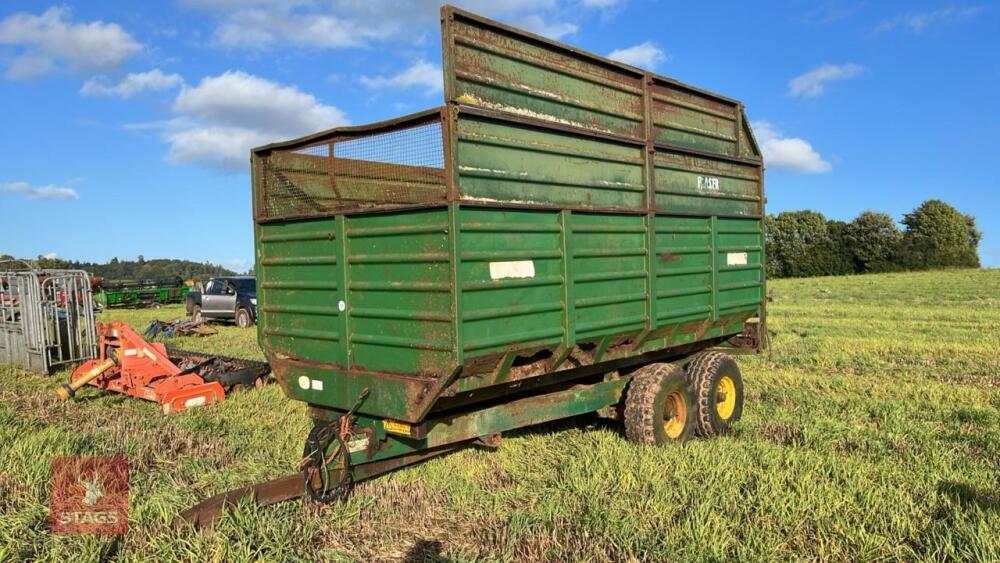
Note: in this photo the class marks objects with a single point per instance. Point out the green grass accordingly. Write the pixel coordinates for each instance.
(871, 432)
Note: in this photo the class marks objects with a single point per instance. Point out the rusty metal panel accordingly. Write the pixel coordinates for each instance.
(748, 143)
(609, 274)
(511, 279)
(354, 168)
(703, 185)
(739, 258)
(492, 66)
(507, 162)
(399, 292)
(683, 117)
(684, 269)
(298, 268)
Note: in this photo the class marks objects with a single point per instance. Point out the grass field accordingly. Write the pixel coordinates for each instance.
(871, 432)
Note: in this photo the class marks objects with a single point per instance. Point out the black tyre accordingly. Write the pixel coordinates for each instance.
(243, 319)
(659, 408)
(717, 386)
(196, 315)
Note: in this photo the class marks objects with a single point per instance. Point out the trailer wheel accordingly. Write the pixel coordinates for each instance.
(243, 318)
(196, 314)
(717, 385)
(658, 406)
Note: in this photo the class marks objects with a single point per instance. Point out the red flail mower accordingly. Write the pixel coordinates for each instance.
(175, 379)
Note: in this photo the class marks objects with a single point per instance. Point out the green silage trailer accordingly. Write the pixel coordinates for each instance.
(566, 235)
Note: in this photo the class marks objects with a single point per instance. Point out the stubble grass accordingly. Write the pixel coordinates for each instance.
(871, 432)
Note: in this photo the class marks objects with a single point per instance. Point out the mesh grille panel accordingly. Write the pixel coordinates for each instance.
(403, 166)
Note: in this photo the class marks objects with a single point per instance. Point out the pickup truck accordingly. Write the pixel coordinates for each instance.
(225, 298)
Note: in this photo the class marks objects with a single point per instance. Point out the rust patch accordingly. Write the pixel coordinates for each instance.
(668, 257)
(699, 333)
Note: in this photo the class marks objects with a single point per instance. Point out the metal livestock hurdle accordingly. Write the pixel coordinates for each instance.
(46, 318)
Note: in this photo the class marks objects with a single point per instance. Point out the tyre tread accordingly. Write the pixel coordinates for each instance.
(699, 375)
(640, 402)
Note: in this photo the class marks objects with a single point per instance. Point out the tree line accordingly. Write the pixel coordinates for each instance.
(139, 269)
(935, 235)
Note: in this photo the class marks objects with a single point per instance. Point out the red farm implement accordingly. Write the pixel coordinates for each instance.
(175, 379)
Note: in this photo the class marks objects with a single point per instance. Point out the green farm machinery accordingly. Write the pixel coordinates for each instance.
(566, 235)
(145, 293)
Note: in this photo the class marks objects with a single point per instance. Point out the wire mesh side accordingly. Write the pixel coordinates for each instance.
(402, 166)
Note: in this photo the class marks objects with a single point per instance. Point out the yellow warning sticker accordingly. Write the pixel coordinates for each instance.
(396, 427)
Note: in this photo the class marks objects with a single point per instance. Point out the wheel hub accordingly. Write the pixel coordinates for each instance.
(725, 397)
(674, 415)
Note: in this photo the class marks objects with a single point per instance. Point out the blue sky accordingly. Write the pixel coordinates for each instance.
(126, 130)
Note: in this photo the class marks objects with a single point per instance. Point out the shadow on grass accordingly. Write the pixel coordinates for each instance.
(579, 422)
(425, 551)
(967, 495)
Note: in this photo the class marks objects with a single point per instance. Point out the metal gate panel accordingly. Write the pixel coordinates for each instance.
(46, 318)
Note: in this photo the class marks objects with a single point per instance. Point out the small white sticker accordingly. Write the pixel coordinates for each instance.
(358, 444)
(317, 385)
(341, 305)
(518, 269)
(708, 183)
(194, 402)
(736, 259)
(303, 382)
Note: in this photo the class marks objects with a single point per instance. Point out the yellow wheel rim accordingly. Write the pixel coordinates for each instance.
(674, 415)
(725, 397)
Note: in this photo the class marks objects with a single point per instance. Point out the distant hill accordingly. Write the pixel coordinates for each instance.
(139, 269)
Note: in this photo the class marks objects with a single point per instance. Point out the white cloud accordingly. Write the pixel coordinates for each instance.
(48, 191)
(49, 42)
(644, 55)
(133, 83)
(421, 74)
(790, 153)
(261, 24)
(601, 4)
(222, 147)
(50, 256)
(828, 13)
(268, 27)
(811, 84)
(236, 98)
(920, 21)
(218, 121)
(551, 29)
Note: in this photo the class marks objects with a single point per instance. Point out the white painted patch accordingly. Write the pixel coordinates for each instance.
(341, 305)
(736, 259)
(131, 352)
(194, 402)
(516, 269)
(303, 382)
(358, 444)
(708, 183)
(317, 385)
